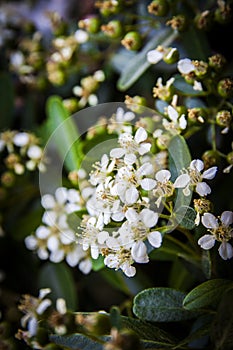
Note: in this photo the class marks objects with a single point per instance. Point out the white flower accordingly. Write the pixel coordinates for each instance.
(220, 231)
(21, 139)
(119, 122)
(34, 152)
(154, 56)
(103, 169)
(81, 36)
(194, 178)
(177, 123)
(163, 187)
(185, 66)
(131, 146)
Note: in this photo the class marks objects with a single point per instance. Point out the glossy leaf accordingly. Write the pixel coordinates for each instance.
(77, 341)
(58, 277)
(139, 64)
(207, 293)
(161, 305)
(64, 132)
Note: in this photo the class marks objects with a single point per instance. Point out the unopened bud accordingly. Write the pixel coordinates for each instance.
(158, 7)
(132, 41)
(225, 87)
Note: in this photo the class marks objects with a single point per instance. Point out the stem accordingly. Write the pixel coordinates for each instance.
(183, 246)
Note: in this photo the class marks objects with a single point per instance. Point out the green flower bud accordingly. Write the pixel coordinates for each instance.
(204, 20)
(197, 115)
(135, 103)
(171, 56)
(8, 179)
(113, 29)
(158, 7)
(223, 14)
(217, 61)
(210, 158)
(201, 68)
(225, 87)
(223, 118)
(71, 104)
(132, 41)
(90, 24)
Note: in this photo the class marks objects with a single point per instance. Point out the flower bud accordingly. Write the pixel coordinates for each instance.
(158, 7)
(217, 62)
(171, 56)
(7, 179)
(132, 41)
(210, 158)
(225, 87)
(71, 104)
(223, 13)
(113, 29)
(230, 158)
(135, 103)
(201, 68)
(90, 24)
(196, 115)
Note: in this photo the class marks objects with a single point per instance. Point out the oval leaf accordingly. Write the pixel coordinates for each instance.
(160, 305)
(185, 216)
(207, 293)
(64, 132)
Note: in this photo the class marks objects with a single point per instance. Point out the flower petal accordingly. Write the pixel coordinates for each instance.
(206, 242)
(227, 218)
(185, 66)
(155, 239)
(225, 250)
(131, 195)
(163, 175)
(209, 221)
(203, 189)
(148, 184)
(117, 152)
(139, 252)
(197, 164)
(210, 173)
(149, 217)
(182, 181)
(154, 56)
(141, 135)
(172, 113)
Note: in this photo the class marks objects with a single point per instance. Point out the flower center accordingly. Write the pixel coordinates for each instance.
(222, 233)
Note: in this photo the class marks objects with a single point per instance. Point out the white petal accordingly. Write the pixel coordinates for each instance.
(42, 232)
(154, 56)
(102, 237)
(149, 217)
(61, 195)
(34, 152)
(128, 269)
(118, 216)
(47, 201)
(72, 258)
(141, 135)
(139, 252)
(61, 306)
(131, 195)
(73, 195)
(42, 253)
(185, 66)
(225, 251)
(197, 86)
(81, 36)
(182, 181)
(67, 237)
(43, 292)
(94, 251)
(131, 215)
(57, 256)
(112, 243)
(145, 169)
(182, 122)
(206, 242)
(172, 113)
(128, 116)
(155, 239)
(85, 266)
(203, 189)
(163, 175)
(197, 164)
(210, 173)
(117, 152)
(130, 159)
(227, 218)
(53, 243)
(144, 148)
(32, 327)
(43, 306)
(30, 242)
(148, 184)
(209, 221)
(21, 139)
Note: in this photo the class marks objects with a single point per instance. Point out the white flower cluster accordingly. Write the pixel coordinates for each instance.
(121, 203)
(22, 151)
(55, 239)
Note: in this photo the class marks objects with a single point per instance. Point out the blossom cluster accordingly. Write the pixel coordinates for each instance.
(122, 199)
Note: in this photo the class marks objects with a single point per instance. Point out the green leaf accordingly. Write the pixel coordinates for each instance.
(78, 341)
(186, 89)
(139, 64)
(222, 328)
(59, 278)
(179, 158)
(207, 293)
(98, 264)
(185, 216)
(161, 305)
(63, 132)
(206, 263)
(6, 101)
